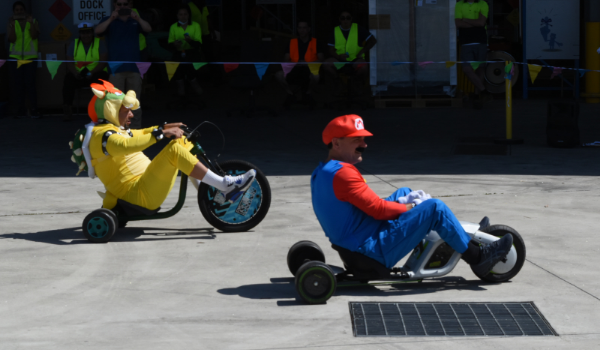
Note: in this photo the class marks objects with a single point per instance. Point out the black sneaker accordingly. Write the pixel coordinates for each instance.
(491, 254)
(288, 102)
(310, 101)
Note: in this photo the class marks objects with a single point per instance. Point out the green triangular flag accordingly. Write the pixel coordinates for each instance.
(338, 65)
(476, 65)
(53, 67)
(508, 68)
(198, 65)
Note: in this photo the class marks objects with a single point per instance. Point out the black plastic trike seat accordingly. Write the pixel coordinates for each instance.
(361, 266)
(134, 210)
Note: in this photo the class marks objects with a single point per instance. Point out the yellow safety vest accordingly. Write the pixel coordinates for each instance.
(24, 48)
(93, 54)
(351, 45)
(200, 17)
(142, 37)
(176, 32)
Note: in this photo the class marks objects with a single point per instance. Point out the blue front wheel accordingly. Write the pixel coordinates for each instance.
(242, 213)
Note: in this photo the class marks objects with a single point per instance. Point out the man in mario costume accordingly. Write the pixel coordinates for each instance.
(355, 218)
(127, 174)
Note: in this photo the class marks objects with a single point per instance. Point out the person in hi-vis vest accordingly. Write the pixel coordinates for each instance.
(348, 43)
(23, 31)
(86, 51)
(301, 50)
(143, 45)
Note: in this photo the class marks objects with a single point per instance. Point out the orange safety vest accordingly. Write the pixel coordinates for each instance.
(311, 52)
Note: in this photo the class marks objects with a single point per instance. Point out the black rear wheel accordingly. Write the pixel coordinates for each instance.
(245, 212)
(100, 225)
(315, 282)
(506, 273)
(302, 252)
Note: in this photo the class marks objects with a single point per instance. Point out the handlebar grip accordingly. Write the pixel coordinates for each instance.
(186, 131)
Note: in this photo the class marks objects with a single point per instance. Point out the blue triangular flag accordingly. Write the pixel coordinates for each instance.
(114, 66)
(261, 68)
(582, 72)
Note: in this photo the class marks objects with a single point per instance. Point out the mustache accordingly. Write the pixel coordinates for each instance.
(360, 149)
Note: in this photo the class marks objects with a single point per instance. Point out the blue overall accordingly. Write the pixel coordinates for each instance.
(399, 237)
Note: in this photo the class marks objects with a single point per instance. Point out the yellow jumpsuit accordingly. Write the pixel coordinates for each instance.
(128, 174)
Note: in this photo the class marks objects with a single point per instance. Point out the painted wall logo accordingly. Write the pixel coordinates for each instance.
(547, 34)
(358, 123)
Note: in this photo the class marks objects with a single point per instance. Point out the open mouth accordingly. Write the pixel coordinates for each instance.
(360, 149)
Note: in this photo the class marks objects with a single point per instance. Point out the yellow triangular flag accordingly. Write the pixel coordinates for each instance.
(314, 68)
(171, 68)
(22, 62)
(534, 70)
(450, 64)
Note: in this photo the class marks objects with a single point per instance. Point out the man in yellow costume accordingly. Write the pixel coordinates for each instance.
(117, 158)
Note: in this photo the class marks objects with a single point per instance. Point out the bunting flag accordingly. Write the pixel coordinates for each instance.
(338, 65)
(287, 68)
(509, 69)
(143, 67)
(198, 65)
(581, 72)
(556, 71)
(230, 66)
(171, 68)
(423, 64)
(450, 64)
(82, 64)
(476, 65)
(396, 63)
(22, 62)
(261, 69)
(314, 68)
(114, 66)
(534, 70)
(53, 67)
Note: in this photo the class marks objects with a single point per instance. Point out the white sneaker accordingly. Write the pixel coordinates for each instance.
(237, 185)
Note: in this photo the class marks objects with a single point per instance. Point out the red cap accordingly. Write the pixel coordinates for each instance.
(349, 125)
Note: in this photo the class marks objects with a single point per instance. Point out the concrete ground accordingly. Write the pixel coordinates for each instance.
(179, 284)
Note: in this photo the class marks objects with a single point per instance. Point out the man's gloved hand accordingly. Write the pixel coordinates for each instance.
(416, 197)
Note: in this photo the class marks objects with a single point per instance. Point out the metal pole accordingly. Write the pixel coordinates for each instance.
(524, 38)
(508, 84)
(509, 140)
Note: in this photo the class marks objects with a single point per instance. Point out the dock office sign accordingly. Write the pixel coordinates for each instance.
(90, 10)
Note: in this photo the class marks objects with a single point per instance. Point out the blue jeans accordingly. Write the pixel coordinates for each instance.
(22, 85)
(399, 237)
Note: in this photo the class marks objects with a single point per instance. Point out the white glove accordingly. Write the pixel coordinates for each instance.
(416, 197)
(403, 200)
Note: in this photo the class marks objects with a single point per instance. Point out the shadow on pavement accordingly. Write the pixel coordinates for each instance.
(74, 235)
(284, 289)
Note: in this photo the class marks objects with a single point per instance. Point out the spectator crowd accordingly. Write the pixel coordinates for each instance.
(110, 50)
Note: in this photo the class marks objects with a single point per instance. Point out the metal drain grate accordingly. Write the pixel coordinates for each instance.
(448, 319)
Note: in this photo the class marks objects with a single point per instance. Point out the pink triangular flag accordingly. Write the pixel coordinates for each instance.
(423, 64)
(287, 67)
(2, 62)
(556, 71)
(143, 67)
(230, 66)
